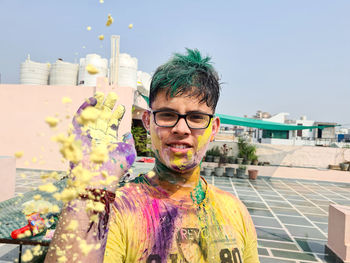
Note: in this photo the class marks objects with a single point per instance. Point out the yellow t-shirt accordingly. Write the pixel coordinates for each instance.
(147, 226)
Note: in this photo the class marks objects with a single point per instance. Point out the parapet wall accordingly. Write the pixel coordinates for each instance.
(22, 119)
(300, 156)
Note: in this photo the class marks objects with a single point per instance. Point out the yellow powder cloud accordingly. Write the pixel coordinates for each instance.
(18, 154)
(50, 188)
(91, 69)
(51, 121)
(27, 256)
(73, 225)
(66, 100)
(109, 20)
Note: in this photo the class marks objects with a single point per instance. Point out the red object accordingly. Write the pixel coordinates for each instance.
(35, 225)
(17, 232)
(146, 160)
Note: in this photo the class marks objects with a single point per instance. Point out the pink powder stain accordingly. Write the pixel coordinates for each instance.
(151, 213)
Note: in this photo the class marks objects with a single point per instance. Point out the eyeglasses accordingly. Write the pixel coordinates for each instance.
(194, 120)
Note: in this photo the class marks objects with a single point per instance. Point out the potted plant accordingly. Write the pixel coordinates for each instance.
(246, 151)
(208, 171)
(344, 166)
(230, 171)
(239, 160)
(241, 171)
(219, 171)
(250, 153)
(224, 150)
(142, 141)
(253, 174)
(255, 160)
(216, 154)
(209, 156)
(231, 159)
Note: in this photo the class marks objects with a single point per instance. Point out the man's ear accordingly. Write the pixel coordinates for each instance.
(216, 127)
(146, 120)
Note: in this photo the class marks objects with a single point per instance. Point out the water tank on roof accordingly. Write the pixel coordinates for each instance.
(34, 73)
(127, 71)
(63, 73)
(143, 82)
(266, 115)
(101, 64)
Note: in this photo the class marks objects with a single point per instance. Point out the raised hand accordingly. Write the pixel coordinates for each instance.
(96, 126)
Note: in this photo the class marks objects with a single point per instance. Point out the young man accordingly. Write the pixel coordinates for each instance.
(171, 214)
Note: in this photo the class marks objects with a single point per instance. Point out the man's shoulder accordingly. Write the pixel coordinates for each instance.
(221, 195)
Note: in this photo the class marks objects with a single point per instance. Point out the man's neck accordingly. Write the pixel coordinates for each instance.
(186, 186)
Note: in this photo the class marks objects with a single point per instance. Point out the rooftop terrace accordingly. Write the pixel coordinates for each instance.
(290, 215)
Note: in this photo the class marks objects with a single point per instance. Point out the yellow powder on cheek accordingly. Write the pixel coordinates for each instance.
(156, 142)
(189, 155)
(203, 139)
(178, 162)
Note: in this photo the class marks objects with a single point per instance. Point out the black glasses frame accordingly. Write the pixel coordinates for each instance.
(180, 116)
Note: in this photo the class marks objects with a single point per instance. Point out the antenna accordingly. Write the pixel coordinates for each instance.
(114, 72)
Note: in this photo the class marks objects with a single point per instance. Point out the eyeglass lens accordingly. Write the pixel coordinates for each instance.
(194, 120)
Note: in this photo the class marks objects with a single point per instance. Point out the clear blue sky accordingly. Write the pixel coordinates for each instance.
(272, 55)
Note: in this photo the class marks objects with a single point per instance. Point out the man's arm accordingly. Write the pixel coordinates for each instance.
(75, 238)
(81, 233)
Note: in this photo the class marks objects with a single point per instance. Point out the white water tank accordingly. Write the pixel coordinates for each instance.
(63, 74)
(143, 82)
(101, 64)
(34, 73)
(127, 71)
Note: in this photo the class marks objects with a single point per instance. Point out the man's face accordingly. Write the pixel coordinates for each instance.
(180, 147)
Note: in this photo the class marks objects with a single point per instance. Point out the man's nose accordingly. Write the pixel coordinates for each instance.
(181, 127)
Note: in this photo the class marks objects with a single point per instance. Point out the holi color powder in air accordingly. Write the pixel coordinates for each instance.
(51, 121)
(91, 69)
(109, 20)
(18, 154)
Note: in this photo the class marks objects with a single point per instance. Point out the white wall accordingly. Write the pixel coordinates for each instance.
(294, 155)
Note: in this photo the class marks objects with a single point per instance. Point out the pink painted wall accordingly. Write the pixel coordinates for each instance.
(339, 231)
(24, 109)
(7, 177)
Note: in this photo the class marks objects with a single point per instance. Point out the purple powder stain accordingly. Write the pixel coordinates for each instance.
(165, 232)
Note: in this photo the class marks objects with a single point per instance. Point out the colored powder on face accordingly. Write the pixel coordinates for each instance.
(156, 143)
(178, 162)
(189, 155)
(203, 139)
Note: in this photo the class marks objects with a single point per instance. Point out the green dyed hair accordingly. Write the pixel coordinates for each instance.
(189, 75)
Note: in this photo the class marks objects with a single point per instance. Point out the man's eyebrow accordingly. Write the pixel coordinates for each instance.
(170, 109)
(166, 109)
